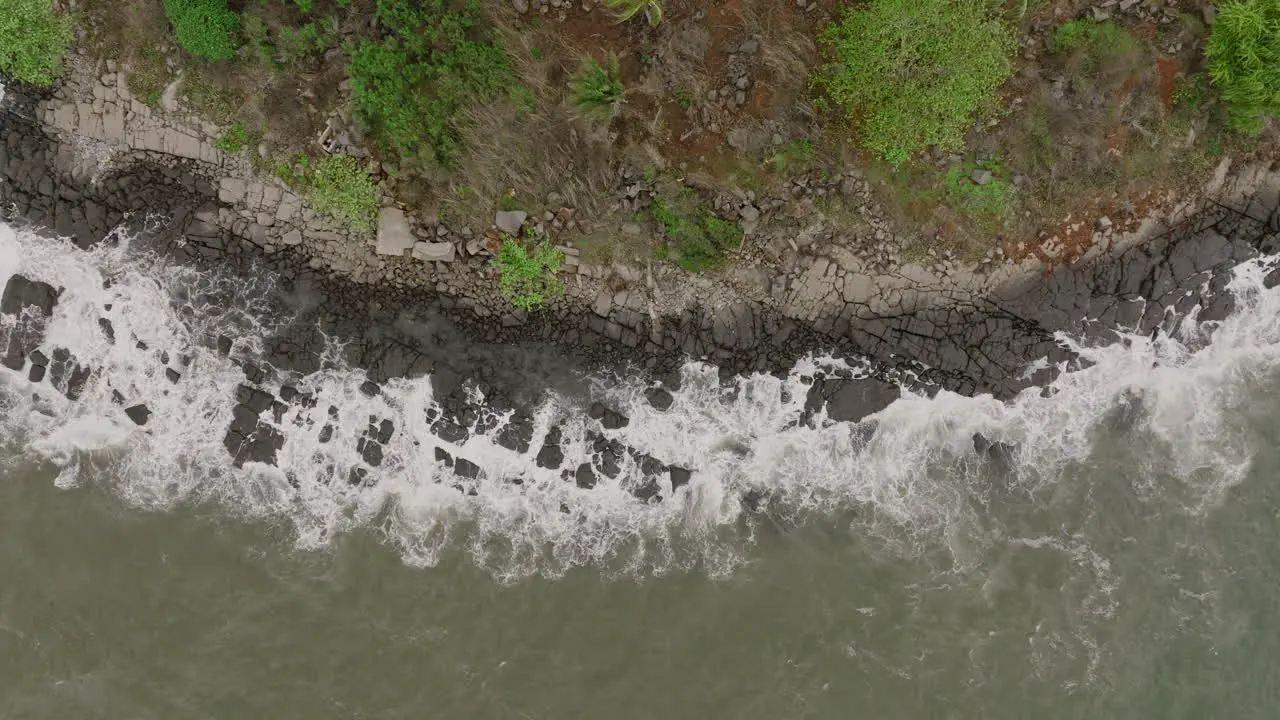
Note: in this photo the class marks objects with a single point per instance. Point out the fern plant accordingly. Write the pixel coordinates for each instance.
(1244, 60)
(598, 88)
(627, 9)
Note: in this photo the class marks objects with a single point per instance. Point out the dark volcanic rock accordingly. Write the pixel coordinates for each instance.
(139, 414)
(850, 400)
(659, 398)
(250, 440)
(585, 477)
(679, 477)
(999, 453)
(21, 293)
(551, 456)
(516, 434)
(609, 419)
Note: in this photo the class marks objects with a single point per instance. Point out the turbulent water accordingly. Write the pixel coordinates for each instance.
(1121, 563)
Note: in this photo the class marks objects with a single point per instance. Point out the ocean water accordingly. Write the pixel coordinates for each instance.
(1124, 561)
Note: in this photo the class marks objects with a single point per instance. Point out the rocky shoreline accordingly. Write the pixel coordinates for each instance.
(968, 330)
(88, 158)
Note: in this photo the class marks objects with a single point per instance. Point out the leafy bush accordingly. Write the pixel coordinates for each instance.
(527, 276)
(335, 185)
(627, 9)
(344, 191)
(597, 88)
(698, 239)
(205, 28)
(410, 86)
(33, 40)
(1244, 60)
(914, 73)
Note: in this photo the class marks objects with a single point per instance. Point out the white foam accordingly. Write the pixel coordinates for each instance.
(916, 479)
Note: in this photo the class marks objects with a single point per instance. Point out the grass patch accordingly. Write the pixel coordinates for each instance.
(527, 275)
(409, 86)
(1244, 60)
(205, 28)
(33, 39)
(991, 201)
(1102, 45)
(233, 140)
(209, 100)
(913, 73)
(790, 154)
(696, 239)
(597, 88)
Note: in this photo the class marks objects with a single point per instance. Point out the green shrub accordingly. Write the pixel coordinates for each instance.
(205, 28)
(627, 9)
(233, 140)
(33, 40)
(527, 276)
(697, 239)
(1244, 60)
(410, 86)
(914, 73)
(339, 188)
(297, 43)
(597, 88)
(335, 185)
(258, 37)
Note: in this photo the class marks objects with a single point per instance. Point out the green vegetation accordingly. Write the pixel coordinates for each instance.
(339, 188)
(1244, 60)
(33, 40)
(992, 200)
(295, 44)
(335, 185)
(527, 276)
(1103, 43)
(791, 153)
(914, 73)
(233, 140)
(205, 28)
(410, 86)
(258, 36)
(627, 9)
(522, 97)
(597, 88)
(696, 239)
(209, 100)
